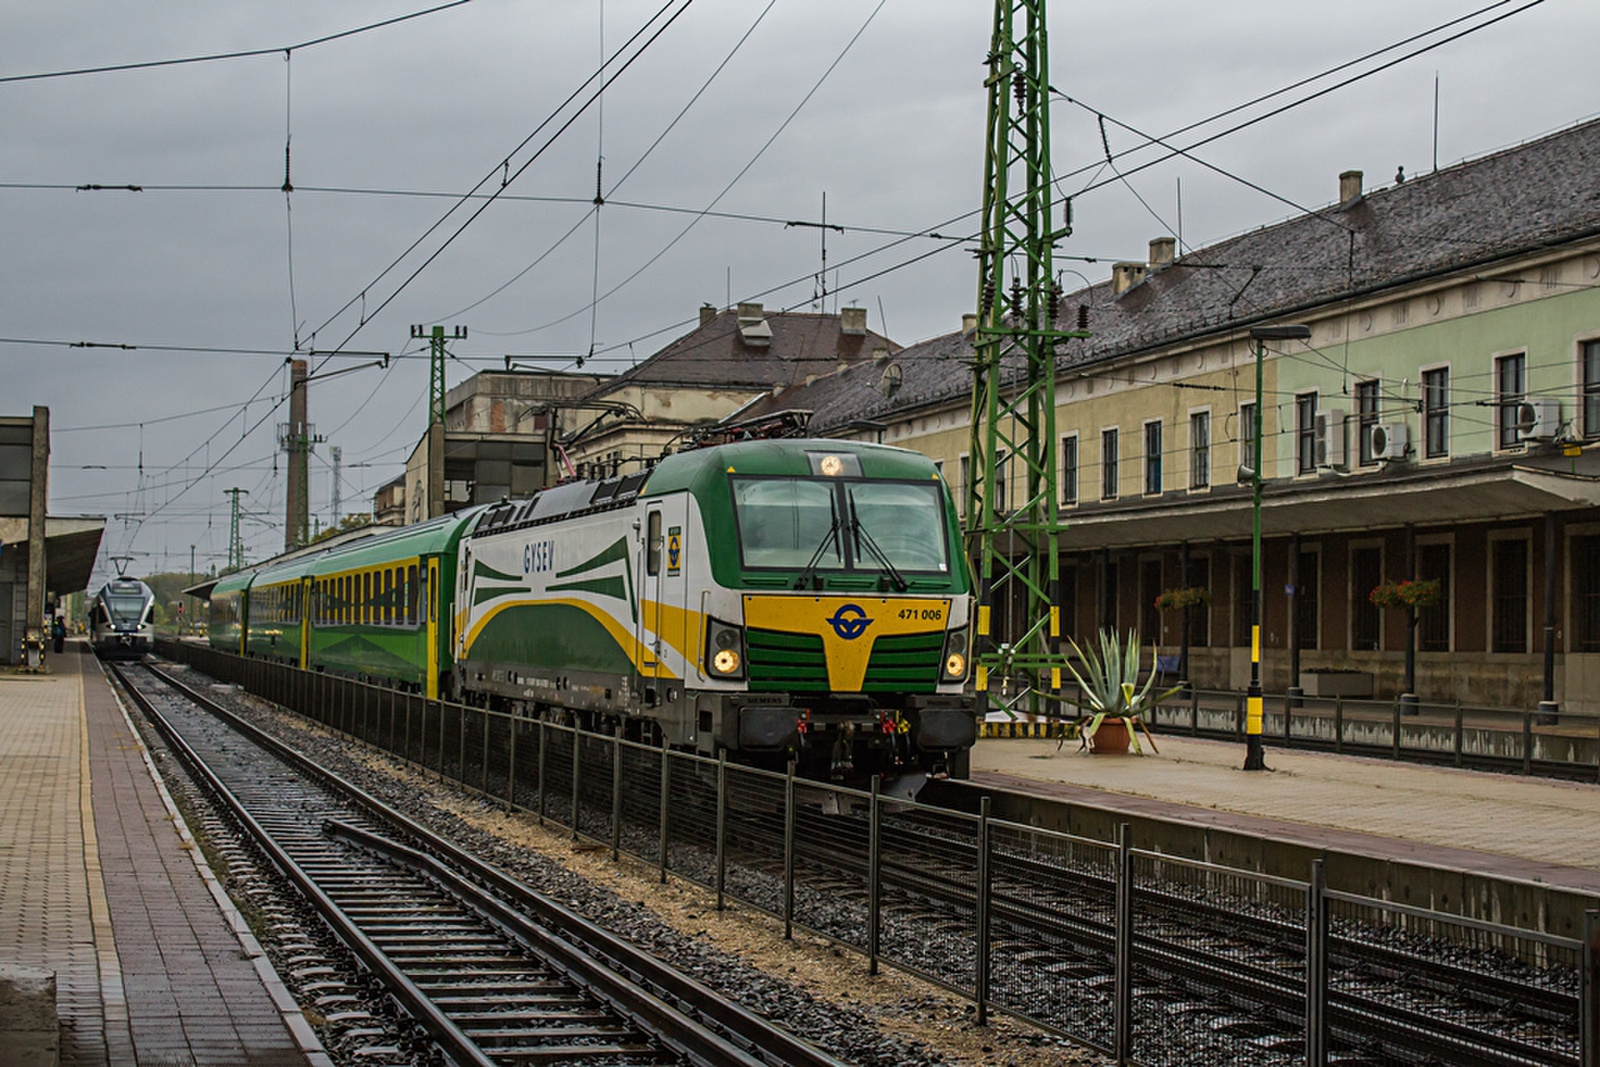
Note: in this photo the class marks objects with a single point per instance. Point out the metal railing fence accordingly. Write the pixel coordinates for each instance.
(1143, 956)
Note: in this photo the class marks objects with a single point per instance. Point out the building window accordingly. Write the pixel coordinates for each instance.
(1433, 623)
(1200, 450)
(1586, 592)
(1510, 384)
(1002, 502)
(1305, 433)
(1508, 570)
(1247, 436)
(1306, 613)
(1366, 618)
(1591, 388)
(1108, 464)
(1068, 475)
(1366, 419)
(1152, 458)
(1436, 412)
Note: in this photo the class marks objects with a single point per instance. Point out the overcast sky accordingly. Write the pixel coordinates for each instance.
(386, 127)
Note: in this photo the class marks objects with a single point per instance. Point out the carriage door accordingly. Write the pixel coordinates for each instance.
(663, 647)
(431, 597)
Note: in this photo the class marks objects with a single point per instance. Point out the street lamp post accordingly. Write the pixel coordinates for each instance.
(1254, 759)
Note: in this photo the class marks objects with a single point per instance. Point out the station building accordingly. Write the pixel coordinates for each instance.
(43, 558)
(1442, 423)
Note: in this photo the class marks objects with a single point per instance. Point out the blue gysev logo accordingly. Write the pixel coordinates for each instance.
(849, 622)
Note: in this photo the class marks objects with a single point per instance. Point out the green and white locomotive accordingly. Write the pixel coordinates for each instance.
(761, 598)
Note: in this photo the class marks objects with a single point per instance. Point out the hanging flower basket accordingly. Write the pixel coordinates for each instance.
(1178, 599)
(1408, 594)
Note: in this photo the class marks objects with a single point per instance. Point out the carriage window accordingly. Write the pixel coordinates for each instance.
(366, 597)
(411, 586)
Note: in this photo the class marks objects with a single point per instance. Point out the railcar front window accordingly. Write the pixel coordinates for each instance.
(837, 525)
(788, 522)
(903, 520)
(125, 608)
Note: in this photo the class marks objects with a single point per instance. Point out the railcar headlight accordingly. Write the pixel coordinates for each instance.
(955, 656)
(724, 649)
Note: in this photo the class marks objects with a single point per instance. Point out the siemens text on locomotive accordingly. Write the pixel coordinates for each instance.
(763, 599)
(121, 623)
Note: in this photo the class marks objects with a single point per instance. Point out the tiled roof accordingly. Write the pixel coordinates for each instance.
(1513, 202)
(802, 345)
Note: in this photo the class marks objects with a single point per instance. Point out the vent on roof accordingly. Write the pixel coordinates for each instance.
(753, 327)
(1125, 276)
(1349, 186)
(892, 378)
(969, 322)
(853, 320)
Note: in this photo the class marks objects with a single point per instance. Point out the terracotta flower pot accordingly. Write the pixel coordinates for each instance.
(1111, 739)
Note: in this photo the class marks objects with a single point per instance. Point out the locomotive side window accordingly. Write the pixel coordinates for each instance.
(652, 536)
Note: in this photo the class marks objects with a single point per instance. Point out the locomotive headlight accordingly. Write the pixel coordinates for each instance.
(955, 656)
(724, 649)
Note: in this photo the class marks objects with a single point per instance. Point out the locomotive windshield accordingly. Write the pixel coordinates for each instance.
(839, 525)
(123, 607)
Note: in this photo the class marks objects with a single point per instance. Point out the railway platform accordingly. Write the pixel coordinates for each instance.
(1519, 830)
(101, 885)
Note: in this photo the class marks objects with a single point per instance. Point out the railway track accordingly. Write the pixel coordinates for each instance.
(1236, 967)
(487, 970)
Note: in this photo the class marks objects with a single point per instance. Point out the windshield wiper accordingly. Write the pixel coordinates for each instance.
(900, 584)
(807, 575)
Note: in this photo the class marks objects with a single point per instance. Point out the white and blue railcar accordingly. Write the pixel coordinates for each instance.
(122, 619)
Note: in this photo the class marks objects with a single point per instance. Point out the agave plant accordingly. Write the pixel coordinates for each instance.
(1110, 686)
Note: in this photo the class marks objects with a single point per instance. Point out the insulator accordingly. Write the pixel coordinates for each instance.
(1016, 297)
(1083, 316)
(988, 297)
(1019, 86)
(1066, 217)
(1055, 302)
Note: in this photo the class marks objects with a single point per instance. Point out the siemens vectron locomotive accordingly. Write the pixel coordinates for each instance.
(121, 623)
(759, 598)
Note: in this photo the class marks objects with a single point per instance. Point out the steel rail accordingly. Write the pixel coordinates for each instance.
(422, 1008)
(746, 1032)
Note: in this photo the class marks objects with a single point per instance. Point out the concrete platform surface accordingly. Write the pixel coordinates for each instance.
(1531, 829)
(101, 884)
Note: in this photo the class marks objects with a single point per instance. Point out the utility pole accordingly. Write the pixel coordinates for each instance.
(338, 500)
(434, 490)
(1014, 546)
(235, 540)
(297, 437)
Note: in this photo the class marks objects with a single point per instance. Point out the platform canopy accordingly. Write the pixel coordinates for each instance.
(1326, 505)
(71, 544)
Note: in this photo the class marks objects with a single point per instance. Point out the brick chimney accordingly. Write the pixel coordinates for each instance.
(1125, 276)
(707, 313)
(1349, 187)
(1162, 250)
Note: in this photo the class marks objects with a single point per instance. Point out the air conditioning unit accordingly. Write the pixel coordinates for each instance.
(1330, 439)
(1538, 418)
(1389, 440)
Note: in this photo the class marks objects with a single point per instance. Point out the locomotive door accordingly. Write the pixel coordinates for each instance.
(663, 649)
